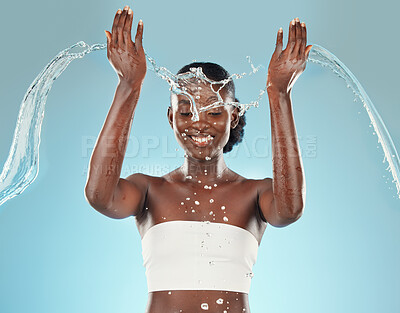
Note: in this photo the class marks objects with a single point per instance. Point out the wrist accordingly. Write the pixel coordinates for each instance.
(277, 89)
(130, 85)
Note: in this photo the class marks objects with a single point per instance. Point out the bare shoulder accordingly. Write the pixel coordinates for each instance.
(140, 180)
(264, 184)
(143, 181)
(260, 185)
(261, 191)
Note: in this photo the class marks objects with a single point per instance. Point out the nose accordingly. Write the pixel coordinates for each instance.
(203, 123)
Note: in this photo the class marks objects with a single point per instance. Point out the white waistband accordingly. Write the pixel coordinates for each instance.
(195, 255)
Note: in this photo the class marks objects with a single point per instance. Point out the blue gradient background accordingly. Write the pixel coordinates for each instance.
(57, 254)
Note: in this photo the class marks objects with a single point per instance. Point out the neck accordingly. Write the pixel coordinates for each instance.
(204, 170)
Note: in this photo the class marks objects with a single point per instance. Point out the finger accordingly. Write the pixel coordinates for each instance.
(139, 36)
(128, 27)
(121, 24)
(298, 37)
(303, 40)
(308, 49)
(292, 36)
(114, 36)
(108, 35)
(279, 42)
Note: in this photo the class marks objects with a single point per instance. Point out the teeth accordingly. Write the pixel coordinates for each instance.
(202, 139)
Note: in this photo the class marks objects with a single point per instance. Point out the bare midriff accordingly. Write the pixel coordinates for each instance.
(197, 301)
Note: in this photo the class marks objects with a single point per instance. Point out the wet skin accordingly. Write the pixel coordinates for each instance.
(152, 200)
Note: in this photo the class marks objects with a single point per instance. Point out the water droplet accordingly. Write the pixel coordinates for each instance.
(187, 198)
(251, 275)
(196, 202)
(215, 185)
(207, 157)
(193, 210)
(225, 219)
(182, 203)
(204, 306)
(220, 301)
(223, 207)
(169, 292)
(211, 212)
(211, 200)
(189, 177)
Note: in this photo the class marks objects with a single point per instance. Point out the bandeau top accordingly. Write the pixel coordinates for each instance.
(196, 255)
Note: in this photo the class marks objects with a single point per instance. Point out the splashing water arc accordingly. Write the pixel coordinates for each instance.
(22, 165)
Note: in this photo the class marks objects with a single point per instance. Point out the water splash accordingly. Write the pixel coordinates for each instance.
(22, 165)
(188, 83)
(323, 57)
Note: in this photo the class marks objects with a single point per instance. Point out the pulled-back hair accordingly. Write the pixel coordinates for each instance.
(216, 72)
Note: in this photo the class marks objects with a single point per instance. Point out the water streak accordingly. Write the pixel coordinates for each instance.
(22, 165)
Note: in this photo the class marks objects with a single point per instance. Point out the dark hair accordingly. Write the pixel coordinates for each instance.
(217, 73)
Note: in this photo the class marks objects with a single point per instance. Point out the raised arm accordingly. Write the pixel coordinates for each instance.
(105, 190)
(282, 199)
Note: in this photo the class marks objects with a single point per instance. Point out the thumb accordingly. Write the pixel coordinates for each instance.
(308, 49)
(108, 35)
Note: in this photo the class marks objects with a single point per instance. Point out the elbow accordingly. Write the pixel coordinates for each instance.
(95, 199)
(287, 217)
(293, 215)
(295, 211)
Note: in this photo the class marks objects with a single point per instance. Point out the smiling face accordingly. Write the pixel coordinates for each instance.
(203, 139)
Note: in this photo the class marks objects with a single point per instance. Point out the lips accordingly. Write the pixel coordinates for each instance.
(201, 140)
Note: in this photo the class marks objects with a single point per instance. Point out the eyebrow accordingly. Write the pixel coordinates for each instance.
(212, 98)
(185, 101)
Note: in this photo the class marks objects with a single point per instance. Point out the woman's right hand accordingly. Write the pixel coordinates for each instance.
(127, 57)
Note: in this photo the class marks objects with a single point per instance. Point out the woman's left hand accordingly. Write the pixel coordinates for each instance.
(287, 65)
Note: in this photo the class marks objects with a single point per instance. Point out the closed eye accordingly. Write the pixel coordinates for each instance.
(215, 113)
(185, 114)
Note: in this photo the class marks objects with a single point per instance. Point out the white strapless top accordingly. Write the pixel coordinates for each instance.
(196, 255)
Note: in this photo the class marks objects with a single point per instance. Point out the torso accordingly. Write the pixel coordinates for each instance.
(167, 200)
